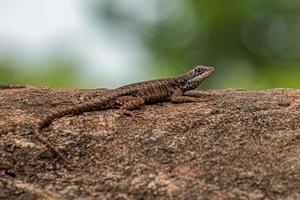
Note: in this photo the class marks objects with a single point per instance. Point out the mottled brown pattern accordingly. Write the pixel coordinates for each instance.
(135, 95)
(150, 91)
(234, 144)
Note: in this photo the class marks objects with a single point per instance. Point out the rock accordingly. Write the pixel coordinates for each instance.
(232, 144)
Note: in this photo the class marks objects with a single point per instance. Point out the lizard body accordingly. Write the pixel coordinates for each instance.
(132, 96)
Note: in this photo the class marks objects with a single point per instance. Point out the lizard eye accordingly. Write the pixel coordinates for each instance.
(199, 70)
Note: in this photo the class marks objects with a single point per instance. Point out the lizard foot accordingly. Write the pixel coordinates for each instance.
(135, 116)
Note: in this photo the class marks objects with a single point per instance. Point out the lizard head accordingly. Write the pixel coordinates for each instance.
(193, 78)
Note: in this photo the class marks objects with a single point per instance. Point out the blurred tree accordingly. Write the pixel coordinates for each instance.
(253, 44)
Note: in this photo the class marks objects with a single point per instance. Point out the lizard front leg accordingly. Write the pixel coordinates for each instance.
(177, 97)
(198, 94)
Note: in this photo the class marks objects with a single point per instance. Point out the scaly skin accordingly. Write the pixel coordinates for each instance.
(132, 96)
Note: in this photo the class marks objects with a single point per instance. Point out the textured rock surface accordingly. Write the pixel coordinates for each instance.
(235, 144)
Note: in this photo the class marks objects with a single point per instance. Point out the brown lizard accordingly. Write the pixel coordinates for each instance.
(130, 97)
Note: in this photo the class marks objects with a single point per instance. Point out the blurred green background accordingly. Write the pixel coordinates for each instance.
(74, 43)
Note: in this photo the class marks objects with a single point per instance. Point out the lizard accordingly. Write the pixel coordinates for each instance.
(130, 97)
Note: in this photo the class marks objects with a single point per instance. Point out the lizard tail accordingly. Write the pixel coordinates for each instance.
(88, 106)
(73, 110)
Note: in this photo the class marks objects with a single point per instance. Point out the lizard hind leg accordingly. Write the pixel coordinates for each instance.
(129, 103)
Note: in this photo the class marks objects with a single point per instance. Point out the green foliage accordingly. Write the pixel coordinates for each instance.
(56, 73)
(252, 44)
